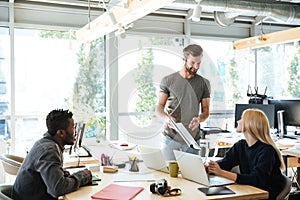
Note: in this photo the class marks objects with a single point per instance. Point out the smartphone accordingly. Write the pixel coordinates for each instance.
(93, 183)
(96, 178)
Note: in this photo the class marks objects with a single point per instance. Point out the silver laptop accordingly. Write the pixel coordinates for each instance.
(192, 168)
(153, 158)
(185, 134)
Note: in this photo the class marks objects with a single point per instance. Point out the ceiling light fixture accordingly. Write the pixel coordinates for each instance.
(197, 12)
(279, 37)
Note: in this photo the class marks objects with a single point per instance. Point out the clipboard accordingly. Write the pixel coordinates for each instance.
(185, 134)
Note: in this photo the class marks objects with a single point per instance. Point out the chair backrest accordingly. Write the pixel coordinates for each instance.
(5, 192)
(11, 163)
(285, 193)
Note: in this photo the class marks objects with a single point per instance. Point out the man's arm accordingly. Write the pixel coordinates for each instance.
(162, 100)
(205, 104)
(50, 168)
(195, 122)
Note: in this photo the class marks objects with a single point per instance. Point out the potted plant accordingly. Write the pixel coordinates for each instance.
(95, 127)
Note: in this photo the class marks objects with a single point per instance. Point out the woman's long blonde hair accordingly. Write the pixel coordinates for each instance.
(256, 123)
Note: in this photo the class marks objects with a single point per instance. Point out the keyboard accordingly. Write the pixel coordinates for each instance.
(292, 136)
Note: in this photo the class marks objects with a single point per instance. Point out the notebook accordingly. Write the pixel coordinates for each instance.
(114, 191)
(185, 134)
(153, 158)
(192, 168)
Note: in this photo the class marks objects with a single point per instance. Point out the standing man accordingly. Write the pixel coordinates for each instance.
(41, 175)
(185, 97)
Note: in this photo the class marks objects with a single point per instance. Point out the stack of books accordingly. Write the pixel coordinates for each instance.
(109, 169)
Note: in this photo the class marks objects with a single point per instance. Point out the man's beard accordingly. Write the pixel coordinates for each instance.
(189, 70)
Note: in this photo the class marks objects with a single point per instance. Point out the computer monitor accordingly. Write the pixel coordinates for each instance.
(79, 136)
(291, 108)
(268, 109)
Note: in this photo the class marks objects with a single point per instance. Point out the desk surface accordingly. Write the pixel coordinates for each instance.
(189, 189)
(292, 152)
(70, 161)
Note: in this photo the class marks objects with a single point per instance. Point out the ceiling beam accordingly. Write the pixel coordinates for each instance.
(124, 15)
(279, 37)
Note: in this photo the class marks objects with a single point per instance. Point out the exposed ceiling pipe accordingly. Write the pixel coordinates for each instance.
(227, 10)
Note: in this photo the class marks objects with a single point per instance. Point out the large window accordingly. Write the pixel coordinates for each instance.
(278, 69)
(230, 73)
(143, 61)
(5, 89)
(54, 71)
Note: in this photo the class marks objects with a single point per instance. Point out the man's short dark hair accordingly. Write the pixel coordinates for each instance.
(192, 49)
(58, 119)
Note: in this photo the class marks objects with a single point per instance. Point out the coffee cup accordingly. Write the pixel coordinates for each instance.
(173, 168)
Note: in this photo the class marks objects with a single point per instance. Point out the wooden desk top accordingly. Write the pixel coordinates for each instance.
(227, 142)
(188, 188)
(292, 152)
(70, 161)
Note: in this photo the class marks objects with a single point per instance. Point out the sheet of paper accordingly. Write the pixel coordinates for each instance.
(120, 177)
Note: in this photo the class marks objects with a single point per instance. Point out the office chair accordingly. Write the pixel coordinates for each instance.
(11, 163)
(5, 192)
(285, 193)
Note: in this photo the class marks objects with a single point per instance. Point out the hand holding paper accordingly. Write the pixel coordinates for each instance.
(195, 123)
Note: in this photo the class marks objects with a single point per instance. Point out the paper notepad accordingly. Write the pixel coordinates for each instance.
(133, 177)
(117, 192)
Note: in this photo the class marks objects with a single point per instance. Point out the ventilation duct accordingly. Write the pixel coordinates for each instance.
(226, 11)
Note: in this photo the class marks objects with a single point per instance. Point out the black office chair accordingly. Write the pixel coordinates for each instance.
(5, 192)
(285, 193)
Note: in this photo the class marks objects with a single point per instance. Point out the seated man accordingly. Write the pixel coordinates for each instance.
(41, 175)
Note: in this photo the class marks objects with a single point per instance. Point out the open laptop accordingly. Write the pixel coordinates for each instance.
(153, 158)
(185, 134)
(192, 168)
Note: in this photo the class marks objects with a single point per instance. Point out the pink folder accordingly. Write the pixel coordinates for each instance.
(117, 192)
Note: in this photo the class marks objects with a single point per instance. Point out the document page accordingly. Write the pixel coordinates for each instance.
(185, 134)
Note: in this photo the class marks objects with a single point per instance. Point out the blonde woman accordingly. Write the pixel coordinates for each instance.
(257, 156)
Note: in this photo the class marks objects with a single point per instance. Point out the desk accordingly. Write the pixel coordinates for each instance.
(296, 154)
(70, 161)
(188, 188)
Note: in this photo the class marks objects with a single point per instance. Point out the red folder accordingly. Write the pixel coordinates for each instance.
(117, 192)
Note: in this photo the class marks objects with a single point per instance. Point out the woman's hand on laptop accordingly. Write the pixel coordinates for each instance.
(214, 168)
(206, 168)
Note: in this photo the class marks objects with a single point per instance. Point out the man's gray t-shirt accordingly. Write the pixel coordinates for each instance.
(184, 100)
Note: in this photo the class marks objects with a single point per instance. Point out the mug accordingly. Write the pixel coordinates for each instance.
(173, 168)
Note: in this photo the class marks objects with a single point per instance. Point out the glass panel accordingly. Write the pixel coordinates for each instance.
(5, 86)
(230, 72)
(54, 71)
(143, 61)
(278, 70)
